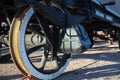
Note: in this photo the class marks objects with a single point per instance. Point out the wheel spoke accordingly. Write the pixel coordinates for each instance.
(44, 59)
(57, 58)
(60, 62)
(29, 51)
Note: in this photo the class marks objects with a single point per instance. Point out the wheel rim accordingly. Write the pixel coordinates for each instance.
(24, 61)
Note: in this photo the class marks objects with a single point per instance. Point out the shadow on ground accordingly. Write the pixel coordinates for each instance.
(106, 56)
(11, 77)
(95, 72)
(91, 73)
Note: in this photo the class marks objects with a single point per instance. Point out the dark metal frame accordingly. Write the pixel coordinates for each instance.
(60, 16)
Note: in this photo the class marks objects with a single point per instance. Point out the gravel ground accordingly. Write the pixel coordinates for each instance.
(102, 62)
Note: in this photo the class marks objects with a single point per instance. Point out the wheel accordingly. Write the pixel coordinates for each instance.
(4, 53)
(34, 57)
